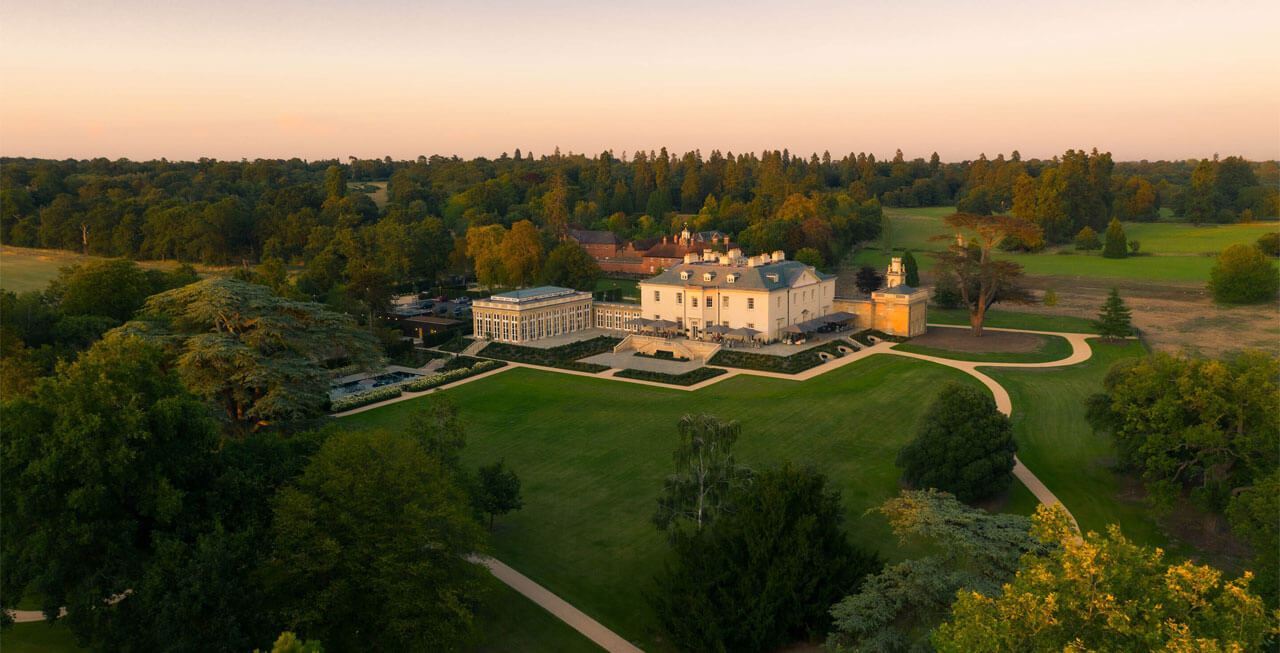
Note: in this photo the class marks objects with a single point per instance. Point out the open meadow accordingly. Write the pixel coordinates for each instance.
(23, 269)
(592, 455)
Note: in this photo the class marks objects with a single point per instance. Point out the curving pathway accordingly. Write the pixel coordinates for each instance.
(1080, 352)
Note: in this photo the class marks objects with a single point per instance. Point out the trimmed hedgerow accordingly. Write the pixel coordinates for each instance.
(792, 364)
(688, 378)
(457, 374)
(364, 399)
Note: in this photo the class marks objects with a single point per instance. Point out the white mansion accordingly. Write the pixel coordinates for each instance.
(766, 296)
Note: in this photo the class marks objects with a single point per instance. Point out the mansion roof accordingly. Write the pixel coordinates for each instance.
(778, 275)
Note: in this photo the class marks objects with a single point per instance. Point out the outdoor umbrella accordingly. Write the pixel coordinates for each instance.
(716, 329)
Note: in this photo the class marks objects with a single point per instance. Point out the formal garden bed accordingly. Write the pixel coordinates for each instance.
(564, 357)
(467, 367)
(792, 364)
(688, 378)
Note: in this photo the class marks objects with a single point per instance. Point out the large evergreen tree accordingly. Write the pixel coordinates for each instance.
(1116, 245)
(255, 356)
(964, 446)
(764, 574)
(1114, 320)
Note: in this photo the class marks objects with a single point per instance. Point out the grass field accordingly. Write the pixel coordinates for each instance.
(1056, 442)
(630, 288)
(509, 622)
(1181, 238)
(1012, 320)
(37, 637)
(1053, 348)
(592, 454)
(23, 269)
(1178, 251)
(378, 196)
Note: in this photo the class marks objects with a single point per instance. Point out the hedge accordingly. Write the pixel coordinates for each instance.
(792, 364)
(688, 378)
(364, 399)
(436, 380)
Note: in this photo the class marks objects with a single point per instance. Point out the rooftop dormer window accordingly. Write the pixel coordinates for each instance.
(732, 277)
(708, 276)
(684, 275)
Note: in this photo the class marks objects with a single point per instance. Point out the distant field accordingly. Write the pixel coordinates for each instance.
(379, 196)
(1181, 238)
(23, 269)
(592, 454)
(1179, 251)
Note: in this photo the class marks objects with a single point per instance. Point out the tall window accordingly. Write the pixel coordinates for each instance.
(657, 295)
(709, 302)
(724, 301)
(679, 298)
(751, 303)
(695, 301)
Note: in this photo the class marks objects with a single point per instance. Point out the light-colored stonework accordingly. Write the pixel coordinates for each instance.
(766, 293)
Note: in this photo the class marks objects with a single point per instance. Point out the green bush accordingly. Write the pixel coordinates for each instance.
(1270, 243)
(688, 378)
(1244, 275)
(1087, 240)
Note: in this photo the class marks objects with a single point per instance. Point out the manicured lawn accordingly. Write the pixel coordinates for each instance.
(592, 454)
(1053, 348)
(509, 622)
(630, 288)
(1056, 442)
(37, 637)
(1176, 238)
(1013, 320)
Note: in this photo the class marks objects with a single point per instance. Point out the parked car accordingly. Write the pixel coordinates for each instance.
(428, 305)
(463, 300)
(459, 310)
(441, 298)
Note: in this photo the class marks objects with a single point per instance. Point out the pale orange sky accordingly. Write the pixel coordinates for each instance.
(327, 79)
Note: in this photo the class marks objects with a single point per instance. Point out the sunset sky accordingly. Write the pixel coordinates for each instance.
(322, 79)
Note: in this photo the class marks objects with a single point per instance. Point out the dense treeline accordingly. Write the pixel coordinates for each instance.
(226, 212)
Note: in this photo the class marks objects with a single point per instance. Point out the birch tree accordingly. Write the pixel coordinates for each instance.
(706, 473)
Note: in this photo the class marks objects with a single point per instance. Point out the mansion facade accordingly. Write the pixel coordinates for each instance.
(767, 294)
